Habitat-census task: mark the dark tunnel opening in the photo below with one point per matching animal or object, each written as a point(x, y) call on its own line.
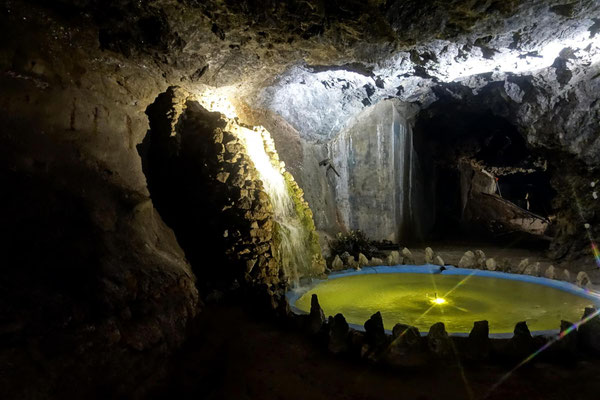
point(483, 179)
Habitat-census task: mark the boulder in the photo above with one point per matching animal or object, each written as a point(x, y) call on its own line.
point(389, 260)
point(374, 331)
point(568, 342)
point(395, 258)
point(338, 334)
point(316, 318)
point(352, 263)
point(283, 310)
point(405, 350)
point(478, 343)
point(521, 344)
point(532, 269)
point(480, 257)
point(337, 264)
point(438, 341)
point(565, 275)
point(345, 256)
point(583, 280)
point(362, 260)
point(491, 265)
point(408, 257)
point(407, 334)
point(375, 262)
point(506, 265)
point(356, 340)
point(429, 255)
point(589, 331)
point(438, 261)
point(522, 266)
point(550, 272)
point(468, 260)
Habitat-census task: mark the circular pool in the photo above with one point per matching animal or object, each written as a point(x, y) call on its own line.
point(421, 296)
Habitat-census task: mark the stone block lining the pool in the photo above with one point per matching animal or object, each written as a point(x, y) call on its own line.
point(421, 296)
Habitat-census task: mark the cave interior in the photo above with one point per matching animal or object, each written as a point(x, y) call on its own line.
point(172, 168)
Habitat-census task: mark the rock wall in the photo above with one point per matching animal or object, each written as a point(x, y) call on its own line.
point(302, 157)
point(96, 292)
point(205, 183)
point(379, 187)
point(94, 284)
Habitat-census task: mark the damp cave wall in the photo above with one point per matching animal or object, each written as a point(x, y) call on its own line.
point(380, 188)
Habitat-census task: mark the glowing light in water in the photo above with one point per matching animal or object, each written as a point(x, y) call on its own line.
point(438, 301)
point(596, 253)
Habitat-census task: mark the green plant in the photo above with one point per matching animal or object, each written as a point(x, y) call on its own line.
point(353, 242)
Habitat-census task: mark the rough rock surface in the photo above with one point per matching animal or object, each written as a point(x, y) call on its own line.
point(478, 343)
point(337, 263)
point(338, 334)
point(375, 333)
point(407, 256)
point(439, 261)
point(468, 260)
point(583, 280)
point(362, 260)
point(438, 341)
point(550, 272)
point(589, 333)
point(405, 350)
point(532, 269)
point(394, 258)
point(521, 344)
point(429, 255)
point(480, 256)
point(491, 264)
point(523, 265)
point(375, 262)
point(316, 317)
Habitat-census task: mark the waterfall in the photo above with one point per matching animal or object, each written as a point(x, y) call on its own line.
point(378, 189)
point(404, 175)
point(293, 248)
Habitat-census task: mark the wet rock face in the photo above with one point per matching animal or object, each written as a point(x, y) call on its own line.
point(204, 183)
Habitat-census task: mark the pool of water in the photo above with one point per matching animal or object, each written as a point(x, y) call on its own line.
point(422, 299)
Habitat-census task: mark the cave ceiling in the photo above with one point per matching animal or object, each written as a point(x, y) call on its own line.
point(319, 63)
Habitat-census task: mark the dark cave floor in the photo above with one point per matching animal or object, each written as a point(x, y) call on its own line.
point(232, 355)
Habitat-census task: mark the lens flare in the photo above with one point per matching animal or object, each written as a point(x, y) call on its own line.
point(561, 336)
point(596, 253)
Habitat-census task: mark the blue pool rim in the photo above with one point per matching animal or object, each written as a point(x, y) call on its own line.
point(293, 295)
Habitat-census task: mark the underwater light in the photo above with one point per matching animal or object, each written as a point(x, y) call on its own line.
point(438, 300)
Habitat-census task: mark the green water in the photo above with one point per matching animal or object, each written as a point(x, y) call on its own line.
point(408, 298)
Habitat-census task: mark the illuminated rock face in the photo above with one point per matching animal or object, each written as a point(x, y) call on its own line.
point(236, 212)
point(378, 186)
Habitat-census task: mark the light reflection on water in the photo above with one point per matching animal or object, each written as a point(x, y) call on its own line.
point(407, 298)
